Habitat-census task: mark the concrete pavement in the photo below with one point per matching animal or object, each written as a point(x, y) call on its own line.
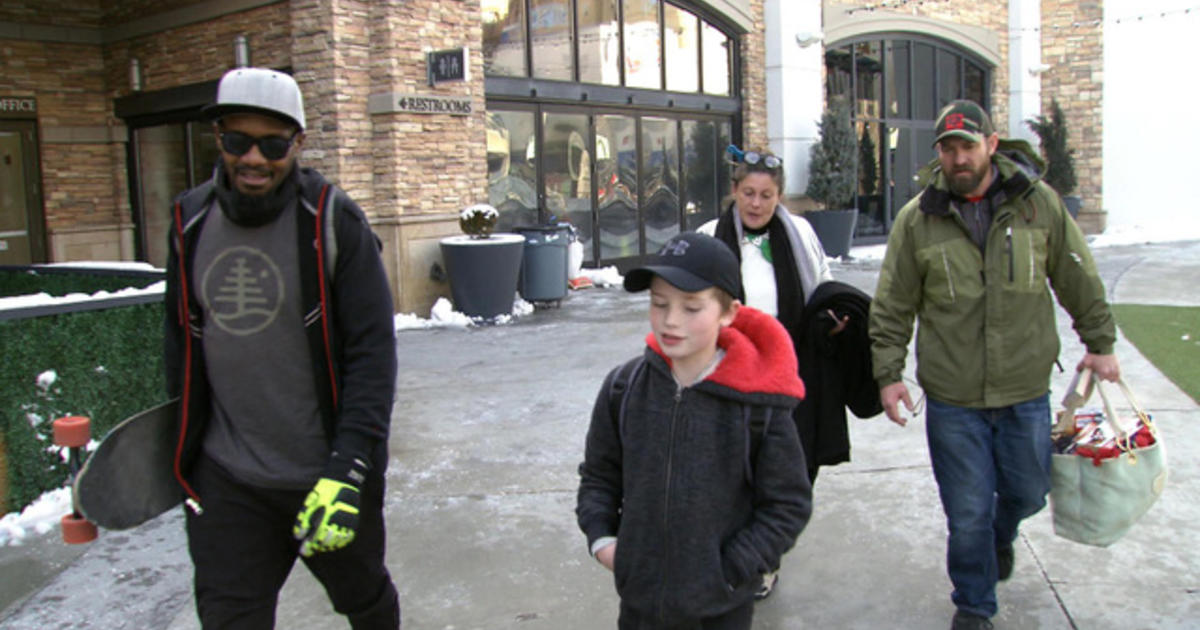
point(488, 430)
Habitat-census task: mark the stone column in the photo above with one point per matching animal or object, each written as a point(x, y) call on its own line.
point(795, 92)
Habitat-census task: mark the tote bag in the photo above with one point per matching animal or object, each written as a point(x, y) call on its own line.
point(1096, 499)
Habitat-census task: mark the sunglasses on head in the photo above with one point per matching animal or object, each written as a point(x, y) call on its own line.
point(271, 147)
point(771, 162)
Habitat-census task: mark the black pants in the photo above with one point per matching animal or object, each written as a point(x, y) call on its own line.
point(737, 619)
point(243, 550)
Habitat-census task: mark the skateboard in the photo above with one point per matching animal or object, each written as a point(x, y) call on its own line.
point(130, 478)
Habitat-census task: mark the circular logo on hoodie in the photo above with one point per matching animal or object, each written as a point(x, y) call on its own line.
point(243, 290)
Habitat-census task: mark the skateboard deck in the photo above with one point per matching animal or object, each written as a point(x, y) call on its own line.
point(130, 478)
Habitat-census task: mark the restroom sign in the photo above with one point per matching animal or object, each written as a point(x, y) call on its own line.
point(18, 107)
point(448, 65)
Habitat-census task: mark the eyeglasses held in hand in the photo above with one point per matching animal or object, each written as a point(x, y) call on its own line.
point(271, 147)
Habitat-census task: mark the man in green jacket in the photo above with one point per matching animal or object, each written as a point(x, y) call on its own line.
point(972, 258)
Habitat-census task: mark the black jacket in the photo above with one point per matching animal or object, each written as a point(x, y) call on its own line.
point(696, 521)
point(348, 308)
point(836, 370)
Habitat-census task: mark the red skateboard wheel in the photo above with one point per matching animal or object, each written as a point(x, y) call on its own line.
point(77, 530)
point(72, 431)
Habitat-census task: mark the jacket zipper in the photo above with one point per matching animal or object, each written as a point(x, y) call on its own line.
point(949, 278)
point(1008, 248)
point(662, 593)
point(193, 500)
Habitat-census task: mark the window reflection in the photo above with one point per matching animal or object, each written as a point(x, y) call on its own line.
point(701, 172)
point(550, 34)
point(643, 63)
point(868, 79)
point(949, 83)
point(717, 61)
point(974, 82)
point(162, 174)
point(871, 210)
point(504, 37)
point(599, 42)
point(660, 181)
point(897, 80)
point(512, 177)
point(681, 32)
point(567, 166)
point(617, 186)
point(837, 72)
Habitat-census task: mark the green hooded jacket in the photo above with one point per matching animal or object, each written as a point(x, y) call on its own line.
point(987, 335)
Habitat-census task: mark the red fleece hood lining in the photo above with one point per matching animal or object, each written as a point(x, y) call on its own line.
point(759, 357)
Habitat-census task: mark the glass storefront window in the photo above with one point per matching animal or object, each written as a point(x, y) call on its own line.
point(204, 151)
point(617, 186)
point(162, 175)
point(567, 167)
point(681, 32)
point(504, 37)
point(701, 170)
point(868, 90)
point(837, 72)
point(643, 59)
point(871, 207)
point(923, 86)
point(599, 42)
point(550, 34)
point(512, 172)
point(948, 79)
point(898, 77)
point(660, 181)
point(717, 61)
point(974, 82)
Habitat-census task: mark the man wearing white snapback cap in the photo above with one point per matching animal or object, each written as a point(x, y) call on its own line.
point(279, 342)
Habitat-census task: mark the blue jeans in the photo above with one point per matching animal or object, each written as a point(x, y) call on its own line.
point(993, 469)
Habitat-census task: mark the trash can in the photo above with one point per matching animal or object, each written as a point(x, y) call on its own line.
point(544, 265)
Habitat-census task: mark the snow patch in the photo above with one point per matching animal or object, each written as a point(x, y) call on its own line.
point(40, 517)
point(604, 277)
point(443, 315)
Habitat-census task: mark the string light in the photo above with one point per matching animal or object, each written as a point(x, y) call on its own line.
point(1078, 25)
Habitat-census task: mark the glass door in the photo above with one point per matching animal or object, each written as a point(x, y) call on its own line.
point(22, 233)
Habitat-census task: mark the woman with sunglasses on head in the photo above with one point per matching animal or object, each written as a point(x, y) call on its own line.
point(782, 260)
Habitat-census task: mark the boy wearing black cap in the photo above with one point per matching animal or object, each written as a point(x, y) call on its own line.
point(693, 482)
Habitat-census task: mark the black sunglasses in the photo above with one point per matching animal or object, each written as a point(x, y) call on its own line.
point(271, 147)
point(771, 162)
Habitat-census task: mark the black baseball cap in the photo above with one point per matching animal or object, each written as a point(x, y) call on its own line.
point(965, 119)
point(690, 262)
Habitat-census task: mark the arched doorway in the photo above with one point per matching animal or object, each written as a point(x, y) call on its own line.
point(896, 84)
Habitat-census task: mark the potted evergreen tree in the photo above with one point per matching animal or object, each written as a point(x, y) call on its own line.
point(1060, 169)
point(483, 267)
point(832, 180)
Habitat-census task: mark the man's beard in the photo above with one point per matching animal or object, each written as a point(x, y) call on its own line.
point(965, 182)
point(254, 210)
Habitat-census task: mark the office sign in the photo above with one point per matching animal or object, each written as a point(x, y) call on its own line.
point(18, 107)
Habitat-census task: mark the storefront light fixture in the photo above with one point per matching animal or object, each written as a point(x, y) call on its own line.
point(241, 51)
point(807, 38)
point(135, 74)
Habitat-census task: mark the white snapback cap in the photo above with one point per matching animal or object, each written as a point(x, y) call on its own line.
point(260, 91)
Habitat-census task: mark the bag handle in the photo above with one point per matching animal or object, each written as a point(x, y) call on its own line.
point(1077, 396)
point(1125, 439)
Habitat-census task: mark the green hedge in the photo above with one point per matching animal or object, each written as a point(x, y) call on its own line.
point(108, 365)
point(20, 281)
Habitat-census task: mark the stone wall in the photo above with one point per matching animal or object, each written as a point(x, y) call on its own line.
point(1073, 47)
point(754, 80)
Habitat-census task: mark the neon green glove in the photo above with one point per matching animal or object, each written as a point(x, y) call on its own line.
point(329, 518)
